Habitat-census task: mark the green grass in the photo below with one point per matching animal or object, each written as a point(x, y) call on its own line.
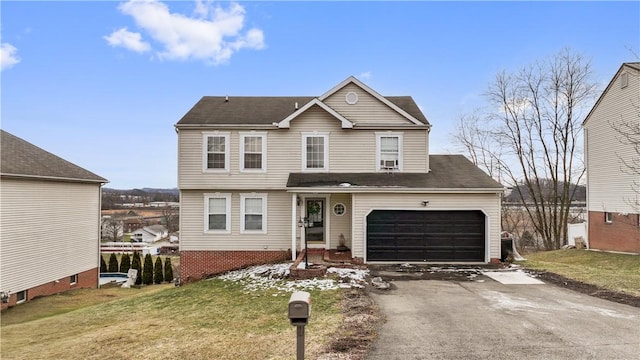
point(209, 319)
point(617, 272)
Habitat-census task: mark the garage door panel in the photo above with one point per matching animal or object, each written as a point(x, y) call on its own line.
point(409, 235)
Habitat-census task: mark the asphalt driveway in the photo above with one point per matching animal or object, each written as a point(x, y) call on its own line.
point(484, 319)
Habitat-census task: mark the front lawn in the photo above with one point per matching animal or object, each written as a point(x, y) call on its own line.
point(210, 319)
point(617, 272)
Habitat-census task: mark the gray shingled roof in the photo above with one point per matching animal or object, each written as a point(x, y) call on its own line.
point(447, 172)
point(264, 110)
point(23, 159)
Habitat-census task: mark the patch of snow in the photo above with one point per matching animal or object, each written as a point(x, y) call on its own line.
point(274, 277)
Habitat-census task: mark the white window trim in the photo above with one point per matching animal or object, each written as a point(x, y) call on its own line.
point(334, 209)
point(227, 146)
point(608, 217)
point(71, 282)
point(243, 197)
point(400, 137)
point(262, 135)
point(226, 196)
point(303, 154)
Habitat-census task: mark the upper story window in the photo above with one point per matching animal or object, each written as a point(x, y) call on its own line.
point(217, 213)
point(389, 151)
point(253, 213)
point(216, 151)
point(253, 151)
point(315, 152)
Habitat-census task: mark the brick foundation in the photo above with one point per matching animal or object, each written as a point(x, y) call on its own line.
point(196, 265)
point(86, 279)
point(622, 234)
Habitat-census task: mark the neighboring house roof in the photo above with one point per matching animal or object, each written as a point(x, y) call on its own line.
point(267, 110)
point(20, 158)
point(447, 172)
point(632, 65)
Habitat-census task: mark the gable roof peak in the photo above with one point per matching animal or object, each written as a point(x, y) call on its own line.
point(353, 80)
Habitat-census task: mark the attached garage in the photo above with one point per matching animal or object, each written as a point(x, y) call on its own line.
point(433, 236)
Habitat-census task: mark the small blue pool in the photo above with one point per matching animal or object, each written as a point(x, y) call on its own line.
point(117, 278)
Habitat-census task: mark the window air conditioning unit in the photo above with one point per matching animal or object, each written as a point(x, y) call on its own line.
point(389, 164)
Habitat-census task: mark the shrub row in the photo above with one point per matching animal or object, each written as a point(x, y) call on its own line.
point(148, 274)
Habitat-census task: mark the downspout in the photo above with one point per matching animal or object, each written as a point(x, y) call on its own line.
point(99, 230)
point(293, 226)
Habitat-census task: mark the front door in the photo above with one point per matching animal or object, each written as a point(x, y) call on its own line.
point(315, 214)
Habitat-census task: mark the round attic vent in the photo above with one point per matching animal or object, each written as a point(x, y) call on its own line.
point(351, 98)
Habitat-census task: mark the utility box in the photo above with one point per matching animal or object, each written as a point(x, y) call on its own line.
point(299, 308)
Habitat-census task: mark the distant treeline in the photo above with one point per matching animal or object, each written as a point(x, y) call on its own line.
point(114, 198)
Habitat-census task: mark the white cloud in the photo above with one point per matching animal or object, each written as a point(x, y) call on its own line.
point(365, 75)
point(8, 56)
point(212, 34)
point(129, 40)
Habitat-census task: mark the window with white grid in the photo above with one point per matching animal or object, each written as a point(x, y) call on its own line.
point(216, 152)
point(253, 152)
point(315, 152)
point(389, 151)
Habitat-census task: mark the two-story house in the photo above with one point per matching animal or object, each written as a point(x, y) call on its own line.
point(49, 223)
point(260, 178)
point(613, 164)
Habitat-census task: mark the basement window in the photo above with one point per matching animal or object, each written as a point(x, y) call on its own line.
point(608, 217)
point(21, 296)
point(73, 279)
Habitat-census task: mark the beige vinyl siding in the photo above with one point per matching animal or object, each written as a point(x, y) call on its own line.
point(192, 223)
point(609, 187)
point(364, 203)
point(367, 111)
point(350, 150)
point(49, 231)
point(340, 224)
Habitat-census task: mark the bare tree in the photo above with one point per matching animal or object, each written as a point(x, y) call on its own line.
point(171, 217)
point(112, 227)
point(532, 137)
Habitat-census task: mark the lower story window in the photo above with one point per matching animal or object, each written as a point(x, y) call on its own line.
point(217, 211)
point(253, 213)
point(608, 217)
point(73, 279)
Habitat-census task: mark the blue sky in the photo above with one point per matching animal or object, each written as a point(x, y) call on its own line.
point(101, 84)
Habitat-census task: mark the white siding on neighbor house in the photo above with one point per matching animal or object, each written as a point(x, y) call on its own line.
point(364, 203)
point(361, 112)
point(609, 187)
point(49, 231)
point(350, 150)
point(192, 223)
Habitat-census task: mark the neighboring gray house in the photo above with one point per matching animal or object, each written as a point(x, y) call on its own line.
point(350, 163)
point(49, 222)
point(613, 190)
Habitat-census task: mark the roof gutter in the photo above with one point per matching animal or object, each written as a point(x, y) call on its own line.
point(224, 126)
point(392, 189)
point(65, 179)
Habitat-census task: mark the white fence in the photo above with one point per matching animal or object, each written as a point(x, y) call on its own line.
point(129, 248)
